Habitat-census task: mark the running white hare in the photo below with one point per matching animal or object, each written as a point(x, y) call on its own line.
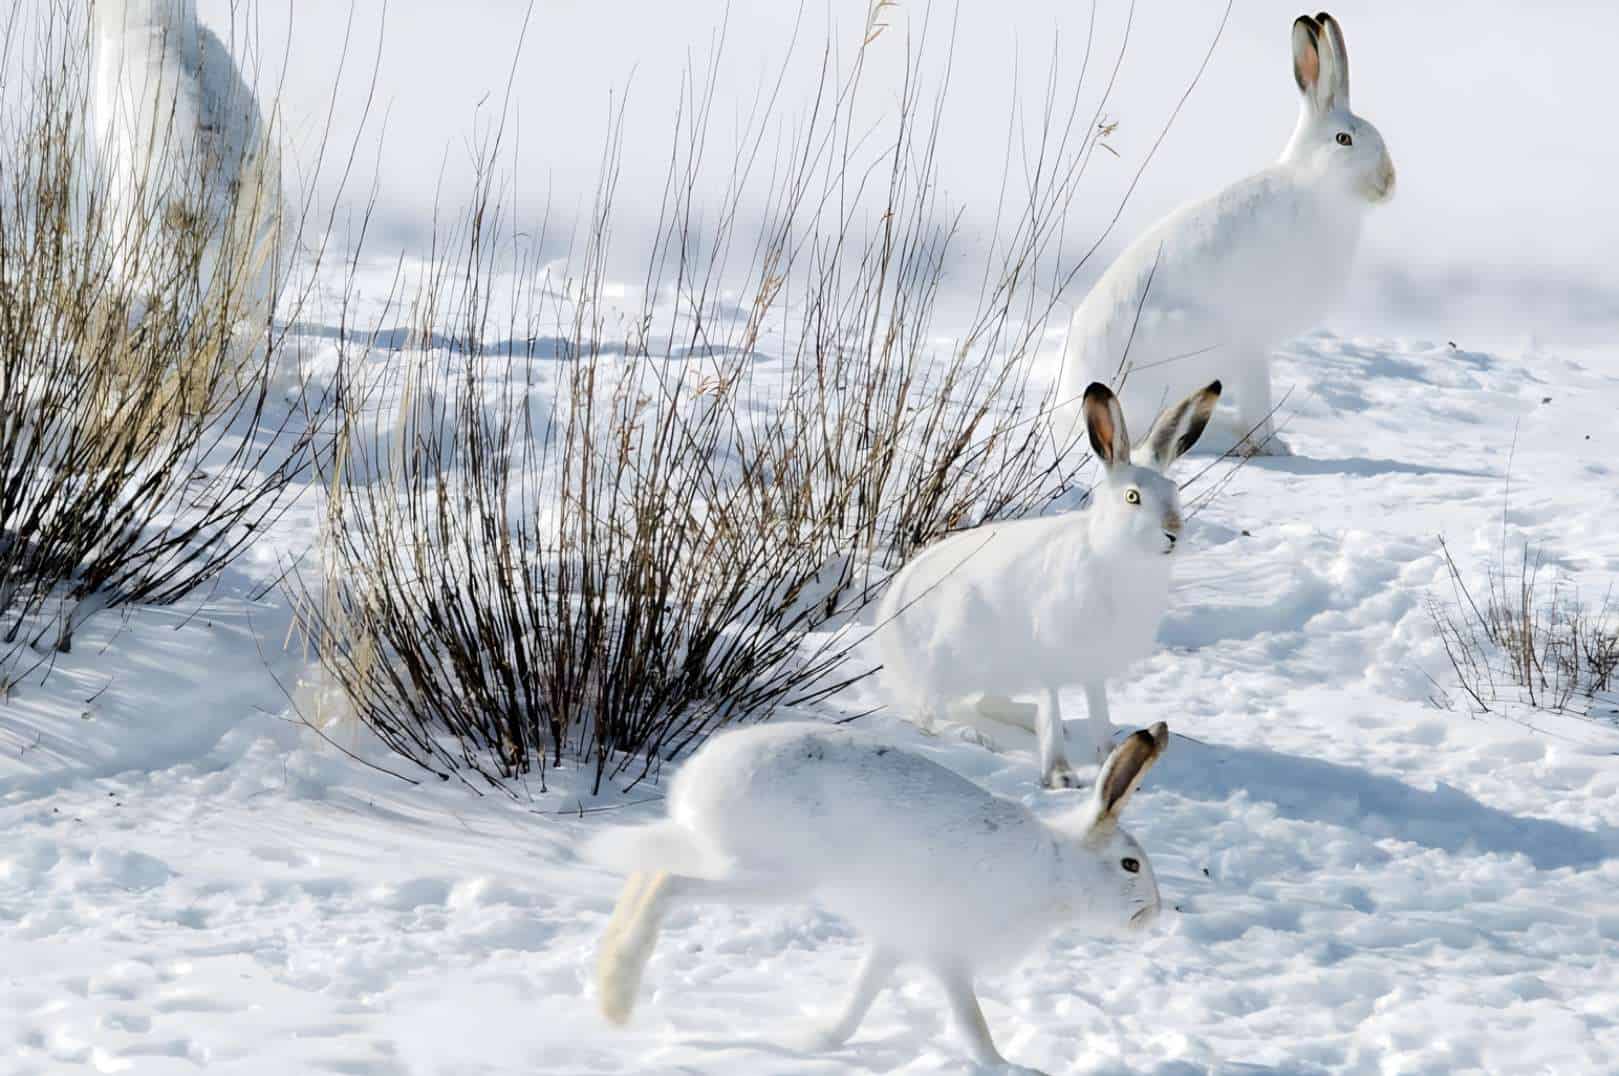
point(1034, 605)
point(186, 161)
point(1212, 288)
point(929, 866)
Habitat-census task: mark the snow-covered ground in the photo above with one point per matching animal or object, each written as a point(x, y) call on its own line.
point(1361, 880)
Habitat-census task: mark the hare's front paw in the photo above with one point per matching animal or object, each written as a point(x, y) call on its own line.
point(818, 1040)
point(1010, 1068)
point(973, 736)
point(1061, 775)
point(1263, 445)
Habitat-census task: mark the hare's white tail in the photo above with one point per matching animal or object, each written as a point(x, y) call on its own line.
point(658, 846)
point(631, 935)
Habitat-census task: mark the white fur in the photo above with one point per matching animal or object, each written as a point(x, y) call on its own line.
point(932, 868)
point(1032, 606)
point(179, 136)
point(1237, 273)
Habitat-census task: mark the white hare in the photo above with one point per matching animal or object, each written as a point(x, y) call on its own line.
point(1035, 605)
point(1209, 290)
point(929, 866)
point(187, 164)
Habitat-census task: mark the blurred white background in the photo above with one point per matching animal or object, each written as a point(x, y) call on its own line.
point(1498, 114)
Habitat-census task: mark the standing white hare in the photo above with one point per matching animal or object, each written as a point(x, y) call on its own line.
point(1209, 290)
point(929, 866)
point(1034, 605)
point(187, 163)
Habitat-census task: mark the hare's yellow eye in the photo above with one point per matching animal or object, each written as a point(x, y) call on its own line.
point(1344, 139)
point(1132, 496)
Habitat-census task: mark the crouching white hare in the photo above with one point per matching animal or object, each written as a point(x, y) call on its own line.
point(1212, 288)
point(186, 162)
point(932, 868)
point(1034, 605)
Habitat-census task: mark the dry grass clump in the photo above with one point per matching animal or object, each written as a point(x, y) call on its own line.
point(150, 431)
point(1528, 638)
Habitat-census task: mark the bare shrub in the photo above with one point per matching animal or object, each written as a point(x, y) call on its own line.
point(562, 531)
point(1527, 638)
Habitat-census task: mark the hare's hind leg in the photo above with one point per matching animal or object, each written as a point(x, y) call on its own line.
point(1098, 721)
point(1255, 417)
point(1055, 770)
point(627, 944)
point(1007, 711)
point(935, 715)
point(876, 968)
point(926, 714)
point(632, 933)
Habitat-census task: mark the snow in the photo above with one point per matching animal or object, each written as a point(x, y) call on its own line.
point(1359, 874)
point(1355, 878)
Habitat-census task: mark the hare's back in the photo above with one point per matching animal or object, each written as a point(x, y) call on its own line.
point(958, 619)
point(991, 563)
point(1211, 287)
point(821, 803)
point(1237, 260)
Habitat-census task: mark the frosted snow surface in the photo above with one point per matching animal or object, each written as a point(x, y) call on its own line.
point(1355, 879)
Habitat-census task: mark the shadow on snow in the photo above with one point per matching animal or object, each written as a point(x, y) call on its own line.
point(1444, 818)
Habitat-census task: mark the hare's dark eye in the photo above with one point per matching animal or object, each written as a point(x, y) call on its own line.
point(1131, 864)
point(1344, 139)
point(1132, 496)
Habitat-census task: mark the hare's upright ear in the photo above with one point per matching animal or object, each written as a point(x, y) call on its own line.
point(1320, 68)
point(1125, 768)
point(1104, 420)
point(1178, 429)
point(1338, 55)
point(1307, 62)
point(1306, 54)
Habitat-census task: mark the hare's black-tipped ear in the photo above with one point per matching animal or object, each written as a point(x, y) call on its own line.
point(1338, 53)
point(1322, 73)
point(1178, 429)
point(1126, 766)
point(1104, 421)
point(1306, 54)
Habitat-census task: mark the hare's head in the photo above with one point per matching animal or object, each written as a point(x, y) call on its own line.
point(1331, 144)
point(1122, 886)
point(1135, 509)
